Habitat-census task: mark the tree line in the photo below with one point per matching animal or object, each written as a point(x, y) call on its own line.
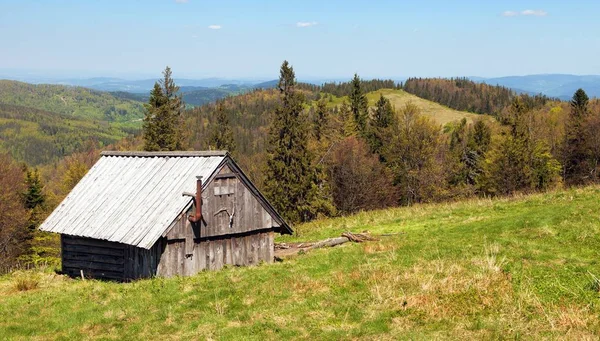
point(466, 95)
point(317, 160)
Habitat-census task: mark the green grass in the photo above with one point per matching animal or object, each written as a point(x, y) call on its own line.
point(524, 267)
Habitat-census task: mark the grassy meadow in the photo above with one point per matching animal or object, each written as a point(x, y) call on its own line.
point(439, 113)
point(399, 98)
point(525, 267)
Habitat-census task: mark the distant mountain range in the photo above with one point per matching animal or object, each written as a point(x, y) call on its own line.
point(553, 85)
point(201, 91)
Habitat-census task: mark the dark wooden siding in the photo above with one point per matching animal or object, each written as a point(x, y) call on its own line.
point(214, 253)
point(108, 260)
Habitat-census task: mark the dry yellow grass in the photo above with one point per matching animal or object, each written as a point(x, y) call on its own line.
point(439, 113)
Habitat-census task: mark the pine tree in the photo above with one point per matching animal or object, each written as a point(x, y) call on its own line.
point(291, 182)
point(34, 198)
point(359, 105)
point(380, 125)
point(34, 195)
point(162, 129)
point(576, 152)
point(222, 136)
point(320, 119)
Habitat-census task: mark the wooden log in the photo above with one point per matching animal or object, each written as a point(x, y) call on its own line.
point(330, 242)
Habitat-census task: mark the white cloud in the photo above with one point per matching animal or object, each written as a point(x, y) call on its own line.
point(537, 13)
point(214, 27)
point(306, 23)
point(530, 12)
point(182, 1)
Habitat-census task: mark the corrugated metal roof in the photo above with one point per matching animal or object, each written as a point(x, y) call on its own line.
point(132, 198)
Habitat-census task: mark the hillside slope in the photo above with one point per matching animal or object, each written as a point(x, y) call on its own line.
point(40, 137)
point(437, 112)
point(484, 269)
point(72, 101)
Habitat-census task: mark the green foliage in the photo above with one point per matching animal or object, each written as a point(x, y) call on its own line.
point(320, 119)
point(416, 159)
point(467, 149)
point(291, 181)
point(71, 101)
point(222, 136)
point(34, 198)
point(577, 154)
point(34, 195)
point(464, 94)
point(519, 161)
point(39, 137)
point(345, 88)
point(379, 128)
point(162, 129)
point(359, 105)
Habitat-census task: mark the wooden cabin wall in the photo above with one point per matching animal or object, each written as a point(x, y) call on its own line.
point(224, 196)
point(215, 253)
point(108, 260)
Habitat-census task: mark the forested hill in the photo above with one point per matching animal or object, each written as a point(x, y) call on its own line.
point(39, 137)
point(73, 101)
point(40, 124)
point(464, 94)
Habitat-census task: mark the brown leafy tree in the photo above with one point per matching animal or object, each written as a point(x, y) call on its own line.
point(14, 232)
point(359, 181)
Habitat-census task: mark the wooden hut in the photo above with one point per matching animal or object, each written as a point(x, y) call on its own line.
point(135, 215)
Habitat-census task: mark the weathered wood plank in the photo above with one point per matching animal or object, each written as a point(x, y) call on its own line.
point(92, 265)
point(92, 242)
point(93, 250)
point(218, 254)
point(87, 257)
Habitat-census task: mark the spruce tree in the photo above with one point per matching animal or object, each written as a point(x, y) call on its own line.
point(162, 123)
point(291, 180)
point(222, 135)
point(380, 125)
point(576, 151)
point(34, 198)
point(320, 119)
point(359, 105)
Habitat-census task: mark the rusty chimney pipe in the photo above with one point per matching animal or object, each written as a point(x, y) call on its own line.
point(198, 202)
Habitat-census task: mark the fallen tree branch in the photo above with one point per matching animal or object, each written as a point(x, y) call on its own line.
point(291, 249)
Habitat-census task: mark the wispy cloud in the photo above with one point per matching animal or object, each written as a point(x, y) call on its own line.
point(537, 13)
point(182, 1)
point(306, 23)
point(530, 12)
point(214, 27)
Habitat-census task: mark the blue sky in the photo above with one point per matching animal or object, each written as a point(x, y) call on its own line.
point(250, 39)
